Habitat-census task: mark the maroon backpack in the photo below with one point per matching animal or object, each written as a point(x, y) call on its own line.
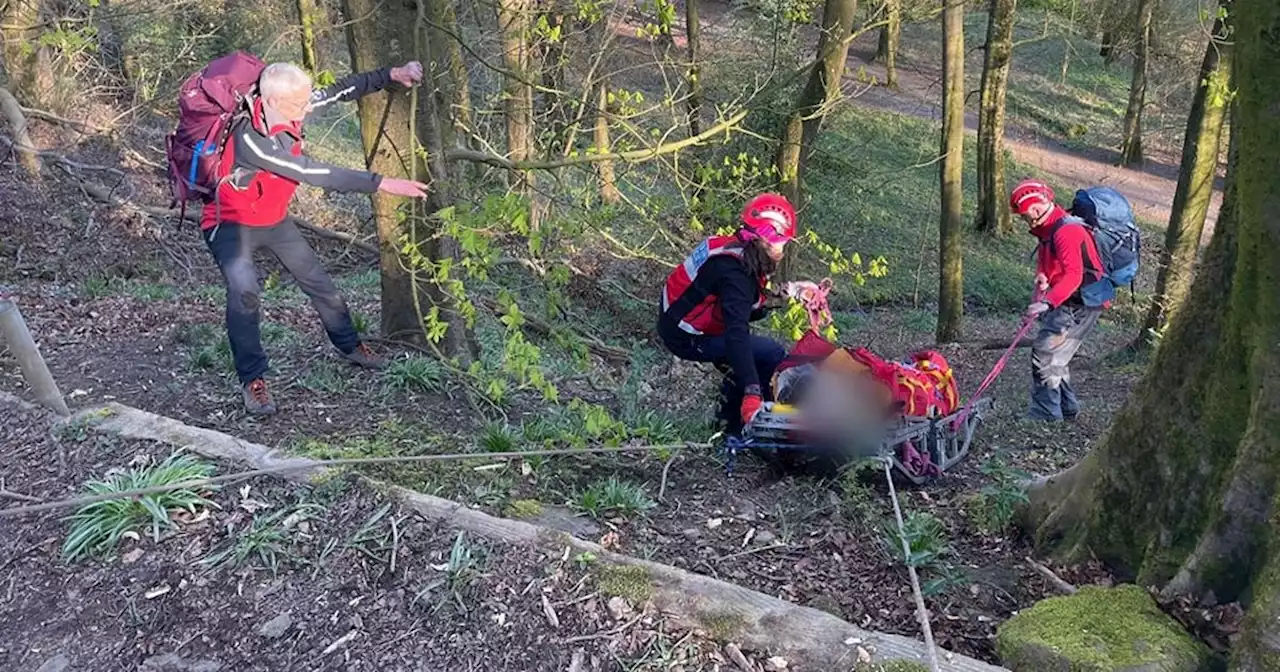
point(207, 103)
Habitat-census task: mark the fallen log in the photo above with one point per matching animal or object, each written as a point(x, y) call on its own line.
point(28, 156)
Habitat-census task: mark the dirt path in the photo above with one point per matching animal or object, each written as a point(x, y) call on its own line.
point(1149, 189)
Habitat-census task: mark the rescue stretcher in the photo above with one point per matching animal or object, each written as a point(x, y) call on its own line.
point(924, 434)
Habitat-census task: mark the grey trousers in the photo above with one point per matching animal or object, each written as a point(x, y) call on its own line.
point(1062, 331)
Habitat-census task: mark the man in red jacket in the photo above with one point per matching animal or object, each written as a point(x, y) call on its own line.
point(261, 167)
point(1066, 260)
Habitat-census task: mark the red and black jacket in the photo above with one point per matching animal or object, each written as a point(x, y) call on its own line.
point(1067, 256)
point(262, 167)
point(713, 294)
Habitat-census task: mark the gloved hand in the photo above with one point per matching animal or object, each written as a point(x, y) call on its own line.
point(751, 404)
point(800, 289)
point(1041, 282)
point(1036, 309)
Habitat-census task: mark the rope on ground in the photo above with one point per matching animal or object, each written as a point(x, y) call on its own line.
point(307, 464)
point(921, 613)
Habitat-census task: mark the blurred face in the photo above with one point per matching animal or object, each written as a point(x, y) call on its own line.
point(1036, 214)
point(293, 106)
point(774, 250)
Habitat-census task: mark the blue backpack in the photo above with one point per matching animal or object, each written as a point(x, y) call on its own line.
point(1108, 216)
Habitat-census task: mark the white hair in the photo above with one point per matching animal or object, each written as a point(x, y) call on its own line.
point(282, 79)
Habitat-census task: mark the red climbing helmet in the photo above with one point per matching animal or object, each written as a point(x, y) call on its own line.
point(771, 217)
point(1027, 193)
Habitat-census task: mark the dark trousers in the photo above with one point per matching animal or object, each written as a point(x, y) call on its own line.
point(1062, 331)
point(233, 246)
point(767, 353)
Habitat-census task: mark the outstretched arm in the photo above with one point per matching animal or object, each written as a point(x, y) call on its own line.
point(360, 84)
point(276, 155)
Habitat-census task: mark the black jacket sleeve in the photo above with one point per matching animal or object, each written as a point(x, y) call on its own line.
point(737, 293)
point(351, 87)
point(274, 155)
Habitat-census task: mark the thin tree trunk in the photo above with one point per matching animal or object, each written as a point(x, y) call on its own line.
point(693, 31)
point(514, 25)
point(608, 187)
point(454, 80)
point(1182, 493)
point(1108, 49)
point(950, 172)
point(890, 38)
point(11, 113)
point(1200, 150)
point(387, 36)
point(1131, 143)
point(821, 91)
point(993, 206)
point(308, 17)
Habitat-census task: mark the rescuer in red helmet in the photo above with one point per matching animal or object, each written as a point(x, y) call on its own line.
point(709, 300)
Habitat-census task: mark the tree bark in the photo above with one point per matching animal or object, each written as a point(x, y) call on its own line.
point(514, 25)
point(890, 38)
point(23, 147)
point(950, 172)
point(693, 31)
point(821, 91)
point(1108, 48)
point(608, 186)
point(1200, 150)
point(993, 206)
point(26, 64)
point(1131, 143)
point(1183, 491)
point(308, 16)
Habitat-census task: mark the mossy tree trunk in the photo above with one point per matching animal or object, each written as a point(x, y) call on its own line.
point(890, 37)
point(693, 32)
point(1131, 142)
point(26, 64)
point(452, 79)
point(1182, 493)
point(821, 91)
point(308, 17)
point(993, 208)
point(387, 37)
point(514, 23)
point(1200, 150)
point(950, 173)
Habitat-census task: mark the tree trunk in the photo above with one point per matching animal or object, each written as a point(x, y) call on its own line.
point(950, 172)
point(27, 66)
point(453, 83)
point(308, 17)
point(693, 30)
point(821, 91)
point(1200, 148)
point(608, 187)
point(1131, 143)
point(1183, 491)
point(514, 24)
point(1108, 49)
point(993, 204)
point(890, 37)
point(388, 36)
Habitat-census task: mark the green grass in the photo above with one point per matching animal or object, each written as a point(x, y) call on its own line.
point(98, 527)
point(327, 378)
point(266, 540)
point(613, 497)
point(414, 374)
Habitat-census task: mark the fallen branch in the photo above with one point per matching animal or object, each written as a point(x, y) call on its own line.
point(1057, 582)
point(9, 494)
point(633, 156)
point(28, 156)
point(49, 116)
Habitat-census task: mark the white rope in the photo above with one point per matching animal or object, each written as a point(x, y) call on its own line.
point(922, 614)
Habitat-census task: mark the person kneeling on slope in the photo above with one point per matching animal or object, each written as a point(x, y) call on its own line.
point(709, 300)
point(1067, 260)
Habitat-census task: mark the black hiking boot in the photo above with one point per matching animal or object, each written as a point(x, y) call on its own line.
point(257, 400)
point(362, 356)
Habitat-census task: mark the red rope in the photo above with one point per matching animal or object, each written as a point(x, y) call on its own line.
point(999, 367)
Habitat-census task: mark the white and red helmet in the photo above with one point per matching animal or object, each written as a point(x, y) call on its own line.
point(1028, 193)
point(771, 217)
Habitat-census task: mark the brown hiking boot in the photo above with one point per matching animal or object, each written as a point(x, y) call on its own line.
point(257, 400)
point(363, 356)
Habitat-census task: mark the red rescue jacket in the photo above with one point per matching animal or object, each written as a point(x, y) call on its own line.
point(259, 198)
point(1067, 256)
point(694, 306)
